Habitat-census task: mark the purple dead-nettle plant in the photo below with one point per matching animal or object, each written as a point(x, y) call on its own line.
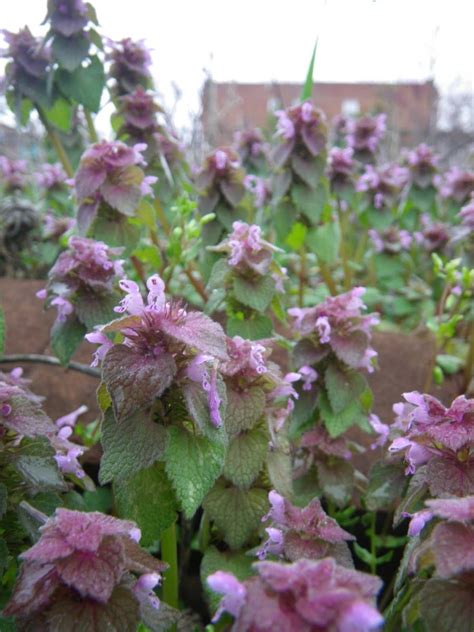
point(466, 215)
point(220, 184)
point(130, 65)
point(162, 341)
point(51, 177)
point(252, 149)
point(383, 185)
point(307, 532)
point(67, 451)
point(365, 134)
point(433, 236)
point(455, 185)
point(13, 174)
point(306, 595)
point(110, 177)
point(84, 567)
point(83, 281)
point(260, 190)
point(422, 163)
point(341, 169)
point(436, 442)
point(391, 240)
point(68, 20)
point(27, 68)
point(338, 326)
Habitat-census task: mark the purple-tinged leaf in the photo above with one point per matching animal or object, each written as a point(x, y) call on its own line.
point(135, 380)
point(448, 476)
point(232, 191)
point(282, 153)
point(314, 140)
point(453, 548)
point(448, 604)
point(350, 348)
point(199, 331)
point(336, 478)
point(307, 170)
point(27, 418)
point(280, 184)
point(33, 590)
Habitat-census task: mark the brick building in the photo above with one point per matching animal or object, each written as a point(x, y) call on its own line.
point(411, 107)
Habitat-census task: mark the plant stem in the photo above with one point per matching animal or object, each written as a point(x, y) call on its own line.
point(37, 358)
point(161, 216)
point(327, 278)
point(196, 283)
point(302, 277)
point(90, 126)
point(204, 532)
point(56, 143)
point(343, 249)
point(169, 554)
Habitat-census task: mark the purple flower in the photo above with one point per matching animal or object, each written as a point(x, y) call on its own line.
point(139, 110)
point(319, 441)
point(303, 132)
point(80, 556)
point(245, 358)
point(13, 173)
point(341, 167)
point(220, 180)
point(467, 214)
point(383, 185)
point(434, 236)
point(364, 134)
point(440, 438)
point(301, 532)
point(305, 595)
point(131, 61)
point(203, 369)
point(29, 62)
point(67, 17)
point(418, 521)
point(259, 188)
point(456, 185)
point(338, 323)
point(51, 177)
point(109, 173)
point(383, 430)
point(423, 165)
point(308, 375)
point(252, 149)
point(248, 251)
point(391, 240)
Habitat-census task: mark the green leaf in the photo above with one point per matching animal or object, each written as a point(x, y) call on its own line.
point(297, 236)
point(238, 564)
point(449, 363)
point(129, 446)
point(245, 457)
point(337, 423)
point(218, 275)
point(309, 201)
point(147, 498)
point(98, 500)
point(386, 484)
point(36, 465)
point(2, 331)
point(256, 294)
point(193, 464)
point(3, 562)
point(66, 337)
point(70, 51)
point(343, 387)
point(363, 554)
point(94, 309)
point(236, 513)
point(60, 114)
point(307, 90)
point(336, 478)
point(3, 500)
point(244, 408)
point(84, 85)
point(115, 229)
point(253, 328)
point(280, 472)
point(324, 241)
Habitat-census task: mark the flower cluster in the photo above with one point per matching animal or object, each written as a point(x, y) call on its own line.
point(161, 341)
point(336, 325)
point(51, 177)
point(13, 174)
point(220, 180)
point(68, 19)
point(440, 439)
point(248, 251)
point(109, 173)
point(392, 240)
point(422, 163)
point(433, 236)
point(82, 275)
point(383, 185)
point(456, 185)
point(259, 188)
point(139, 110)
point(27, 70)
point(81, 567)
point(303, 532)
point(364, 134)
point(130, 67)
point(306, 595)
point(341, 166)
point(251, 147)
point(302, 130)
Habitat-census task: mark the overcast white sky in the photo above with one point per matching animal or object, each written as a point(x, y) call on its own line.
point(271, 40)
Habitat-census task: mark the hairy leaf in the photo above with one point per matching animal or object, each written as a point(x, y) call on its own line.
point(148, 499)
point(336, 478)
point(237, 513)
point(245, 457)
point(253, 328)
point(134, 380)
point(386, 484)
point(244, 408)
point(66, 337)
point(256, 294)
point(129, 446)
point(324, 241)
point(193, 464)
point(448, 605)
point(84, 85)
point(343, 387)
